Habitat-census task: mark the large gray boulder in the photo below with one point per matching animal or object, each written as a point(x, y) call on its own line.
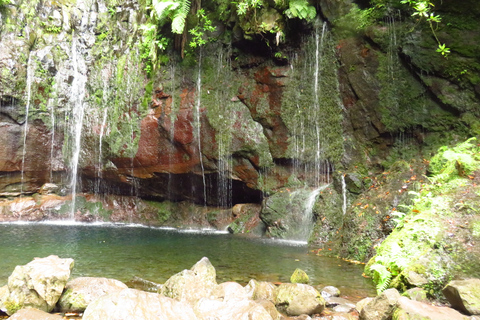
point(464, 295)
point(232, 309)
point(192, 285)
point(132, 304)
point(381, 308)
point(408, 309)
point(38, 284)
point(296, 299)
point(34, 314)
point(80, 292)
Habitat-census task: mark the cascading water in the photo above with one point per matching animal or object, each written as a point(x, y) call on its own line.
point(303, 201)
point(308, 212)
point(315, 109)
point(30, 73)
point(77, 96)
point(52, 143)
point(321, 167)
point(172, 129)
point(344, 195)
point(198, 124)
point(106, 74)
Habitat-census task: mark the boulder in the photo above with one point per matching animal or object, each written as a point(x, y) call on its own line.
point(409, 309)
point(381, 308)
point(144, 285)
point(192, 285)
point(80, 292)
point(260, 290)
point(362, 303)
point(270, 307)
point(341, 316)
point(464, 295)
point(295, 299)
point(339, 304)
point(38, 284)
point(231, 310)
point(416, 294)
point(34, 314)
point(230, 291)
point(330, 291)
point(132, 304)
point(299, 276)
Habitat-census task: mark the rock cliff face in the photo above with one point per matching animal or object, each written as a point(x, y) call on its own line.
point(339, 100)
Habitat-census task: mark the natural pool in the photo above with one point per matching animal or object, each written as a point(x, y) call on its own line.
point(123, 251)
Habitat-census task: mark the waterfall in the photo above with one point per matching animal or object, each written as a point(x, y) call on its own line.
point(30, 73)
point(319, 40)
point(172, 129)
point(198, 124)
point(52, 144)
point(344, 195)
point(76, 122)
point(306, 221)
point(106, 74)
point(315, 120)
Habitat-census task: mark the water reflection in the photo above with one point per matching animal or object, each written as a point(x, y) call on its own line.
point(122, 252)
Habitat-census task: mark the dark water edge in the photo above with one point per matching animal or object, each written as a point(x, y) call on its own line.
point(125, 251)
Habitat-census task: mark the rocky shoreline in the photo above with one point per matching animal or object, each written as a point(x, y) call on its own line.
point(43, 290)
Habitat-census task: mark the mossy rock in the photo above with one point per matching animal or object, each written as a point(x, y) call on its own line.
point(299, 276)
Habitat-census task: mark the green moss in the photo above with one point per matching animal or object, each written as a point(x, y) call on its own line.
point(95, 209)
point(299, 276)
point(11, 306)
point(460, 160)
point(163, 209)
point(313, 114)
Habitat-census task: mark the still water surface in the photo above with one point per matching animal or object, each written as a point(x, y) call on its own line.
point(122, 252)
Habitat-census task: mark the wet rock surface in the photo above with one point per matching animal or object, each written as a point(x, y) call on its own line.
point(38, 284)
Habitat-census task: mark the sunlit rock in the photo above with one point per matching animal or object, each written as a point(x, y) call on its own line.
point(409, 309)
point(464, 295)
point(230, 310)
point(192, 285)
point(381, 308)
point(80, 292)
point(34, 314)
point(295, 299)
point(37, 284)
point(131, 304)
point(230, 291)
point(260, 290)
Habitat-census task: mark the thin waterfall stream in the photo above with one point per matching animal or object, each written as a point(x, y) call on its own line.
point(78, 91)
point(198, 124)
point(30, 74)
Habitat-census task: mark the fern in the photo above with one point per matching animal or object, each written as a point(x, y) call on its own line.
point(300, 9)
point(163, 8)
point(381, 276)
point(179, 17)
point(176, 9)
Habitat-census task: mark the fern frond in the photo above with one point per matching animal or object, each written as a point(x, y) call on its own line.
point(179, 17)
point(381, 276)
point(163, 8)
point(300, 9)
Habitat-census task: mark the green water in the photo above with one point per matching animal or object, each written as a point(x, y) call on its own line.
point(122, 252)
